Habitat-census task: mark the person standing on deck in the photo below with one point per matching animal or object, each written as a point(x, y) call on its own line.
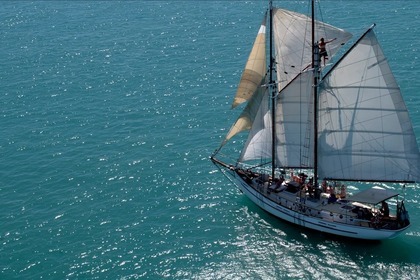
point(384, 209)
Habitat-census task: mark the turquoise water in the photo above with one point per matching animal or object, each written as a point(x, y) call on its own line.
point(109, 112)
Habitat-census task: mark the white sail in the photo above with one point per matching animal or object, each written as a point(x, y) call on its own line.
point(294, 123)
point(292, 38)
point(258, 145)
point(255, 69)
point(248, 116)
point(365, 132)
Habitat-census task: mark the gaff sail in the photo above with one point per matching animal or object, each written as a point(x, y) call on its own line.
point(292, 39)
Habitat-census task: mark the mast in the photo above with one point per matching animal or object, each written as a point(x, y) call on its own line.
point(315, 67)
point(273, 95)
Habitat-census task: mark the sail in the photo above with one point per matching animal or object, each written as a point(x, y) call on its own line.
point(294, 123)
point(258, 144)
point(292, 38)
point(248, 115)
point(365, 132)
point(255, 69)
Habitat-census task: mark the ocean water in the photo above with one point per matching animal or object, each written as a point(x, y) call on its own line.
point(109, 111)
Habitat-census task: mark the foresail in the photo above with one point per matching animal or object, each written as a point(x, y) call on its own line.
point(292, 38)
point(255, 69)
point(258, 144)
point(294, 123)
point(250, 113)
point(365, 132)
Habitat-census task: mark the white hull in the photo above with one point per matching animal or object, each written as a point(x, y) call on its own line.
point(319, 224)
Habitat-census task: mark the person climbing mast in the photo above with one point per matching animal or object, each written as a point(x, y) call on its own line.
point(323, 50)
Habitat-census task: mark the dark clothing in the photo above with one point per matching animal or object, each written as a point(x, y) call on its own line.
point(323, 48)
point(384, 209)
point(332, 198)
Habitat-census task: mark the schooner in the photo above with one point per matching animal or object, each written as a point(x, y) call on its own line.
point(313, 129)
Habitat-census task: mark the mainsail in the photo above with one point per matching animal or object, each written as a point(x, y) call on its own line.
point(365, 132)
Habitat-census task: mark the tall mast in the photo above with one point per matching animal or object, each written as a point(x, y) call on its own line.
point(315, 67)
point(272, 86)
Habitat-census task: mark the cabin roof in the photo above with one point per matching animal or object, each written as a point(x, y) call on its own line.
point(373, 195)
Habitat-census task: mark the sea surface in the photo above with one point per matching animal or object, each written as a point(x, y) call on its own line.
point(109, 111)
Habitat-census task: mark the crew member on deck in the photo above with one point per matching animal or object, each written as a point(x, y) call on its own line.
point(384, 209)
point(343, 192)
point(324, 186)
point(332, 198)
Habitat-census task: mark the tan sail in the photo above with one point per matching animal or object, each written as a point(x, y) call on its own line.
point(246, 119)
point(255, 69)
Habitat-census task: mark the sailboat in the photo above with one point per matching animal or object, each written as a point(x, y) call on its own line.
point(329, 147)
